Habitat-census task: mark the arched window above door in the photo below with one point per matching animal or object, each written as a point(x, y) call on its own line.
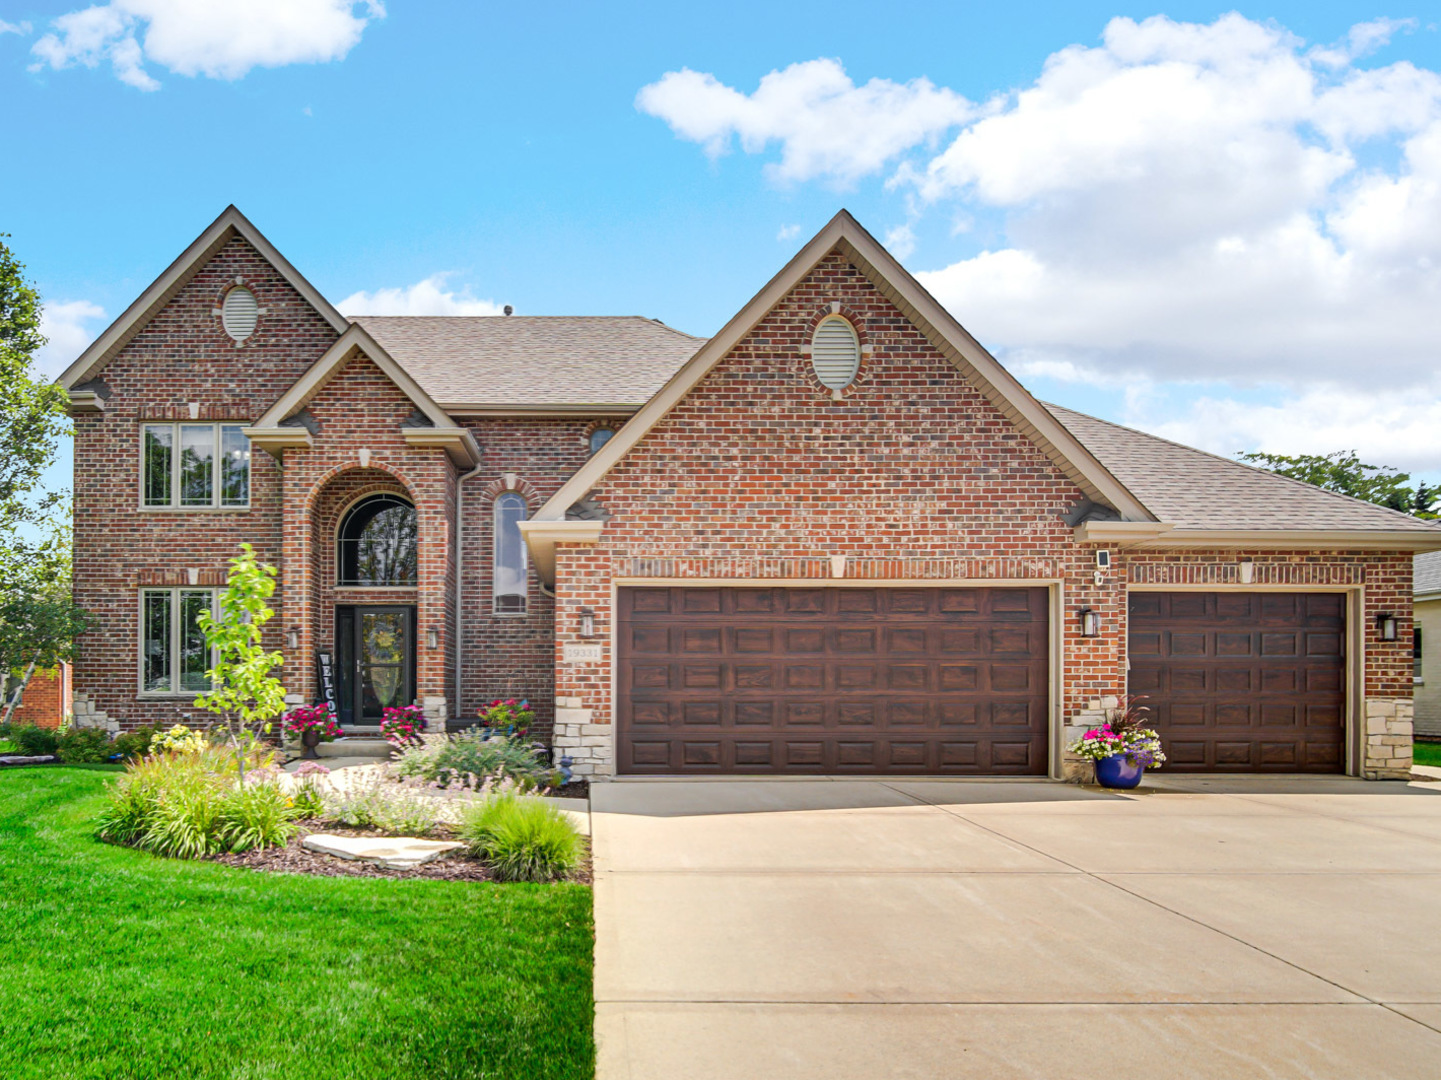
point(377, 542)
point(510, 574)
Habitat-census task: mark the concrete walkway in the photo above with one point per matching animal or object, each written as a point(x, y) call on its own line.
point(853, 930)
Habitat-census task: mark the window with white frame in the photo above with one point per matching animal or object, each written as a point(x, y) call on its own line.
point(174, 656)
point(511, 570)
point(194, 466)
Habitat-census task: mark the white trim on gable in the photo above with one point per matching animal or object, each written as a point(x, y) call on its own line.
point(162, 290)
point(270, 431)
point(844, 234)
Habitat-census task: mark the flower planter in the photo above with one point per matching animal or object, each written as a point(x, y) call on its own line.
point(310, 740)
point(1116, 772)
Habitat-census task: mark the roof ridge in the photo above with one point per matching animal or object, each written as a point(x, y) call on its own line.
point(1237, 464)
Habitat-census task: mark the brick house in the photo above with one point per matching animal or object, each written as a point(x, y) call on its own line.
point(838, 537)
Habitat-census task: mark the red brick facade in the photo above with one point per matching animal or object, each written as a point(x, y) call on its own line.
point(760, 472)
point(46, 700)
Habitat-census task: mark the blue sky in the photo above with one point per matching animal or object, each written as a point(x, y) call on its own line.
point(1224, 228)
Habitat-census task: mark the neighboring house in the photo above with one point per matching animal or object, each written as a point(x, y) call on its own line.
point(1427, 636)
point(838, 537)
point(43, 700)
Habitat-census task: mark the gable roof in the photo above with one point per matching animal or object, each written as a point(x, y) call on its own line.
point(1426, 575)
point(230, 224)
point(273, 434)
point(1197, 492)
point(480, 364)
point(844, 234)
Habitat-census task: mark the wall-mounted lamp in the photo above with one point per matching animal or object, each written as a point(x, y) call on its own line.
point(1386, 625)
point(432, 638)
point(292, 638)
point(587, 622)
point(1090, 623)
point(1247, 571)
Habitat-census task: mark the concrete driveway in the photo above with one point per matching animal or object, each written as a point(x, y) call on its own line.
point(1228, 928)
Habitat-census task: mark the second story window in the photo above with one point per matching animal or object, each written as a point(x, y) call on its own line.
point(599, 437)
point(194, 466)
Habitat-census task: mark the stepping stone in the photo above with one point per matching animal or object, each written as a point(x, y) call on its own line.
point(391, 852)
point(21, 759)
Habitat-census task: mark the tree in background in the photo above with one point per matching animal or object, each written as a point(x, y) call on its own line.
point(243, 693)
point(1345, 473)
point(38, 621)
point(32, 411)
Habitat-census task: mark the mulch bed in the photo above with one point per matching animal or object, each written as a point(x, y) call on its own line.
point(576, 789)
point(294, 859)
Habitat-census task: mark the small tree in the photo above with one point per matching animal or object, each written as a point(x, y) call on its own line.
point(38, 620)
point(243, 693)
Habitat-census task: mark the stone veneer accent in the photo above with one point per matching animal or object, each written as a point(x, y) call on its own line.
point(1388, 739)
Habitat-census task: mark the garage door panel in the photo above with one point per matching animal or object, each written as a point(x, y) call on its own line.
point(1266, 690)
point(875, 680)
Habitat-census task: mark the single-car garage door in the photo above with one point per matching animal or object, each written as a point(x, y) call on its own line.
point(1243, 682)
point(831, 680)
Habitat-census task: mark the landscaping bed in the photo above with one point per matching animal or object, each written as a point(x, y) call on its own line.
point(122, 965)
point(294, 858)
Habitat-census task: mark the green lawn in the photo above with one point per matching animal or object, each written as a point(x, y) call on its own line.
point(1426, 753)
point(120, 965)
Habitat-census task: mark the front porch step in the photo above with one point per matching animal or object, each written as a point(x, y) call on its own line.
point(355, 746)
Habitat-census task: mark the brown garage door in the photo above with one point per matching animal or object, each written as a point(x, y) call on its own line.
point(1243, 682)
point(832, 680)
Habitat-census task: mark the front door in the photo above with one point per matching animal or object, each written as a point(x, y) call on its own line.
point(374, 661)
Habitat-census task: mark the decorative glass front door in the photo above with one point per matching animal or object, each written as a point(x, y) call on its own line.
point(375, 661)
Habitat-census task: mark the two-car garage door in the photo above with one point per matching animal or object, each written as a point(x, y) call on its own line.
point(828, 680)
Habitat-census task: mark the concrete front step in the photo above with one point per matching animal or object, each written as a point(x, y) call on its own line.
point(355, 746)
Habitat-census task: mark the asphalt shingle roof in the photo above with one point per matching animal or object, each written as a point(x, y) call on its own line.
point(1196, 490)
point(528, 360)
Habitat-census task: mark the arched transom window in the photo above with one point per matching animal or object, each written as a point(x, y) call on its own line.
point(511, 567)
point(377, 542)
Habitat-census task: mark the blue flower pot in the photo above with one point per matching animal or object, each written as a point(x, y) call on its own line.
point(1116, 772)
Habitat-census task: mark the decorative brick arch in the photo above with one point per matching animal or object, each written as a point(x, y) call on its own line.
point(858, 323)
point(511, 482)
point(324, 481)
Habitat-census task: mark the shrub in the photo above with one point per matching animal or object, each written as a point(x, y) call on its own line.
point(371, 801)
point(191, 804)
point(523, 839)
point(35, 741)
point(134, 744)
point(509, 714)
point(179, 739)
point(84, 746)
point(256, 814)
point(471, 753)
point(306, 792)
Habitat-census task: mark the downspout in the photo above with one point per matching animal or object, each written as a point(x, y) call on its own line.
point(460, 575)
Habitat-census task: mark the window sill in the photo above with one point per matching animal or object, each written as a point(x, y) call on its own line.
point(194, 509)
point(376, 588)
point(170, 695)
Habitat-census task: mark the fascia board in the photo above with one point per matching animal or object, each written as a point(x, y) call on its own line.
point(274, 440)
point(541, 537)
point(231, 222)
point(1120, 532)
point(501, 409)
point(1414, 540)
point(456, 441)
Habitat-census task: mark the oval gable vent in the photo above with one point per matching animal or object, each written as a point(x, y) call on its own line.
point(239, 313)
point(835, 353)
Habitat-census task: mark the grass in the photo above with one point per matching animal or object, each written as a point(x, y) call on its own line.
point(1426, 753)
point(121, 965)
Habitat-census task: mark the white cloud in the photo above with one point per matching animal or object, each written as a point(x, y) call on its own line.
point(70, 327)
point(14, 28)
point(428, 297)
point(198, 37)
point(827, 125)
point(901, 241)
point(788, 232)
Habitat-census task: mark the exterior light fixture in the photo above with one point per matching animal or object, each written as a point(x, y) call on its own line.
point(1247, 571)
point(292, 638)
point(1090, 623)
point(587, 622)
point(432, 638)
point(1386, 625)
